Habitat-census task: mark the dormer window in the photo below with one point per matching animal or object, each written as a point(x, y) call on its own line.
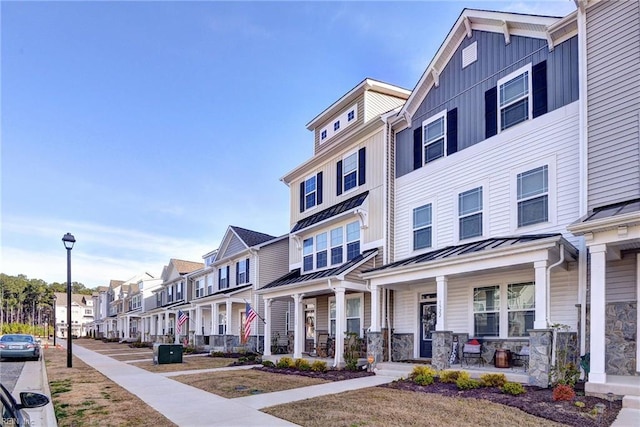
point(336, 126)
point(323, 135)
point(351, 115)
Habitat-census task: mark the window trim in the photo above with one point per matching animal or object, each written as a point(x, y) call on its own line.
point(412, 208)
point(356, 171)
point(314, 192)
point(359, 296)
point(485, 210)
point(526, 69)
point(550, 162)
point(442, 115)
point(329, 247)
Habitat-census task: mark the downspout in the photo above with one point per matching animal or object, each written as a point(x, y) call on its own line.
point(548, 302)
point(335, 354)
point(388, 296)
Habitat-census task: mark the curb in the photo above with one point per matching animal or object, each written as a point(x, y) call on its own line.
point(49, 416)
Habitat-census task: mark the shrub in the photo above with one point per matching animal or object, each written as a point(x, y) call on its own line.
point(285, 362)
point(513, 389)
point(493, 380)
point(423, 370)
point(449, 376)
point(563, 392)
point(579, 404)
point(423, 379)
point(319, 366)
point(302, 365)
point(467, 383)
point(268, 364)
point(217, 354)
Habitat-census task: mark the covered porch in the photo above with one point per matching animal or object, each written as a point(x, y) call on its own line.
point(505, 292)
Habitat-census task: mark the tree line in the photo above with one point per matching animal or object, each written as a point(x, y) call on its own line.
point(30, 301)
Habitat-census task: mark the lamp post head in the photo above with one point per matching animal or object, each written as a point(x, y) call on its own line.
point(68, 241)
point(54, 297)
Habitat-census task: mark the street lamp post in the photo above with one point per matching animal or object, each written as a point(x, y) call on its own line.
point(68, 241)
point(55, 325)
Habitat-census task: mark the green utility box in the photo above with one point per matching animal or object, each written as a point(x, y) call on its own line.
point(167, 353)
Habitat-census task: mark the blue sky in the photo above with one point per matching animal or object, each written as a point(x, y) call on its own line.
point(147, 128)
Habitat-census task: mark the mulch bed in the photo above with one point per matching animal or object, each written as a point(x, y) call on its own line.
point(536, 401)
point(329, 375)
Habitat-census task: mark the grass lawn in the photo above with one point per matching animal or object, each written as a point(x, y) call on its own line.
point(379, 406)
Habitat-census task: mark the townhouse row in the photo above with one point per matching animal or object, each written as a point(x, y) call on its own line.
point(497, 200)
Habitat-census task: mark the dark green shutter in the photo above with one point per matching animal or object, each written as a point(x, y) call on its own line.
point(491, 112)
point(539, 83)
point(452, 131)
point(362, 159)
point(417, 148)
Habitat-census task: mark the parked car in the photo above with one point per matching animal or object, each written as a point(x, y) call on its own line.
point(12, 412)
point(19, 346)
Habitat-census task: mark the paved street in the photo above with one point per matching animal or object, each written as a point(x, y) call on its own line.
point(10, 371)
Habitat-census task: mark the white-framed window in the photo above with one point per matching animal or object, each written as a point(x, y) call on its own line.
point(422, 227)
point(336, 125)
point(310, 192)
point(170, 294)
point(199, 288)
point(321, 250)
point(222, 323)
point(210, 284)
point(492, 318)
point(353, 240)
point(350, 171)
point(533, 196)
point(351, 115)
point(434, 137)
point(242, 272)
point(336, 246)
point(515, 103)
point(323, 134)
point(307, 254)
point(223, 280)
point(470, 213)
point(354, 311)
point(179, 287)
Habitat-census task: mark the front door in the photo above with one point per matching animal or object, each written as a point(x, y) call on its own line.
point(427, 325)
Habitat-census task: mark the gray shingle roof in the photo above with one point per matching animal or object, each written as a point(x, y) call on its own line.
point(250, 237)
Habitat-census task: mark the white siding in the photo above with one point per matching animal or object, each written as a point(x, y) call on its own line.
point(405, 313)
point(378, 103)
point(550, 139)
point(621, 279)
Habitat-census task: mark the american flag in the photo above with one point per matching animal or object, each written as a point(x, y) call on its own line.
point(251, 315)
point(182, 318)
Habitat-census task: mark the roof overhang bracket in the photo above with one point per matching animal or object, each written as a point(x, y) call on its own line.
point(505, 30)
point(467, 25)
point(436, 77)
point(549, 41)
point(363, 216)
point(297, 240)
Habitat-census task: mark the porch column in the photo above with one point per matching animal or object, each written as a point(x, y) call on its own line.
point(341, 317)
point(267, 327)
point(176, 336)
point(127, 326)
point(597, 368)
point(540, 321)
point(199, 324)
point(441, 293)
point(214, 319)
point(375, 308)
point(298, 332)
point(229, 307)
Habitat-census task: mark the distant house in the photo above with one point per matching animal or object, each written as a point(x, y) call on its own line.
point(81, 314)
point(338, 223)
point(245, 261)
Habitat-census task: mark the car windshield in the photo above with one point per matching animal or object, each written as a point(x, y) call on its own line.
point(17, 338)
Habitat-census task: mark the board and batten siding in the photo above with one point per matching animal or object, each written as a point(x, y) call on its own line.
point(613, 90)
point(493, 164)
point(464, 88)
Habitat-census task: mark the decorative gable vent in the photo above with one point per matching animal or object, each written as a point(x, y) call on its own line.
point(470, 54)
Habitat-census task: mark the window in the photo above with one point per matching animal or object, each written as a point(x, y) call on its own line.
point(241, 271)
point(354, 316)
point(351, 115)
point(486, 311)
point(222, 323)
point(223, 280)
point(470, 213)
point(353, 240)
point(307, 254)
point(521, 308)
point(336, 126)
point(199, 288)
point(434, 137)
point(533, 196)
point(210, 284)
point(310, 192)
point(514, 98)
point(350, 171)
point(336, 246)
point(321, 250)
point(179, 291)
point(422, 227)
point(323, 134)
point(170, 294)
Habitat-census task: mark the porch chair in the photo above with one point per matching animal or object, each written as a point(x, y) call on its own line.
point(322, 344)
point(521, 357)
point(472, 350)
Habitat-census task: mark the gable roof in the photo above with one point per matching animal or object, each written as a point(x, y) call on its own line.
point(509, 24)
point(184, 267)
point(250, 237)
